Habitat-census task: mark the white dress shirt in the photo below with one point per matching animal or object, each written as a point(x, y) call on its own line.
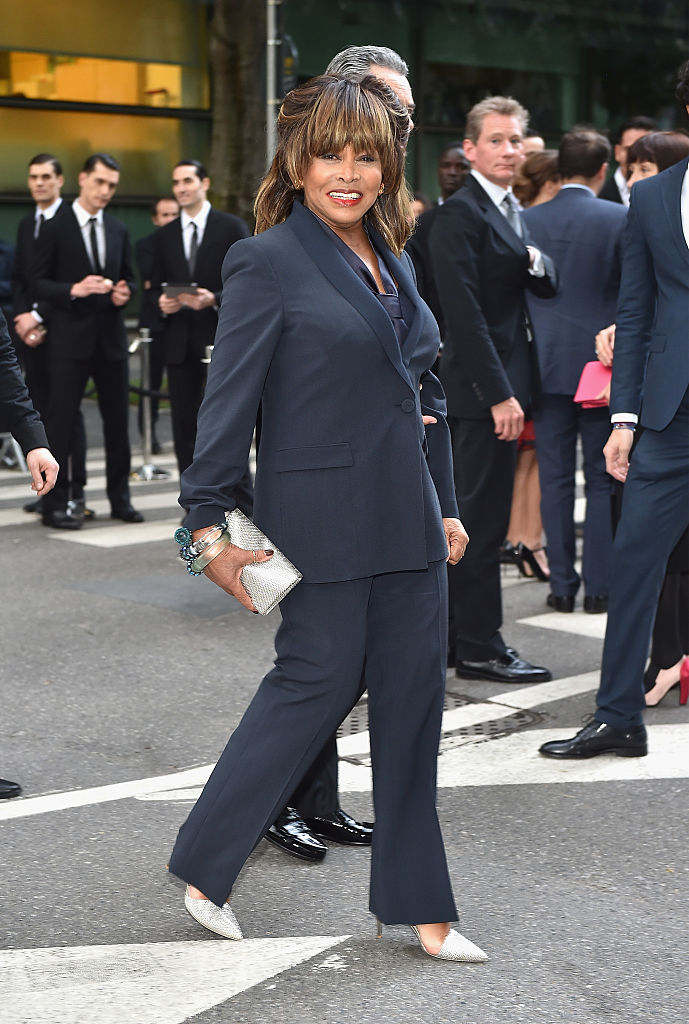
point(186, 223)
point(84, 219)
point(497, 194)
point(622, 186)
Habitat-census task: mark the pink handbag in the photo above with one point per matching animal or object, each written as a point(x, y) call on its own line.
point(594, 378)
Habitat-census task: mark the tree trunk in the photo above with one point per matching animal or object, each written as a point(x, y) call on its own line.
point(237, 40)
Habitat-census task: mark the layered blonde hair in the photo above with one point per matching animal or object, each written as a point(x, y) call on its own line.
point(324, 116)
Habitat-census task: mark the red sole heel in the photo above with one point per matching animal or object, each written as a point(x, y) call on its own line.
point(684, 682)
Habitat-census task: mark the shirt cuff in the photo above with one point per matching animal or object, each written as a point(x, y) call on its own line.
point(624, 417)
point(538, 267)
point(36, 315)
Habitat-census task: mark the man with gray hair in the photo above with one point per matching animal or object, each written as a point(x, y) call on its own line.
point(356, 62)
point(483, 265)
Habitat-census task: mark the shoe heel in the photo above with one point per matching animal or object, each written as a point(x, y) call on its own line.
point(684, 682)
point(379, 928)
point(632, 752)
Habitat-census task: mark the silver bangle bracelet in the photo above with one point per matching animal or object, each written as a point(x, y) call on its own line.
point(209, 552)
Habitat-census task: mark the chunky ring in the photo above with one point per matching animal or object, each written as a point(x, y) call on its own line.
point(254, 554)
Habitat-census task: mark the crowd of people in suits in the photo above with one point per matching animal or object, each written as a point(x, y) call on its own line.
point(533, 267)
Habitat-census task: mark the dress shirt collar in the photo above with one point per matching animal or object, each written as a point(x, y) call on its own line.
point(49, 211)
point(622, 186)
point(200, 218)
point(496, 192)
point(576, 184)
point(84, 217)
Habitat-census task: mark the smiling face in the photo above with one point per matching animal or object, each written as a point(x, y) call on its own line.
point(340, 188)
point(44, 184)
point(189, 190)
point(499, 149)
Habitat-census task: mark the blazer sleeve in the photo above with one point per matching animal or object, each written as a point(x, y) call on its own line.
point(16, 410)
point(20, 298)
point(43, 270)
point(635, 311)
point(455, 245)
point(127, 267)
point(433, 403)
point(249, 329)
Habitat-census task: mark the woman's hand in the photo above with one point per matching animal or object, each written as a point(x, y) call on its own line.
point(457, 539)
point(226, 568)
point(605, 344)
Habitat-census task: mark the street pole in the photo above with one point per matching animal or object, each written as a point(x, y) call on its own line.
point(272, 100)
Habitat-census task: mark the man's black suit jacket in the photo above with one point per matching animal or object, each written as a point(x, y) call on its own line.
point(149, 313)
point(17, 414)
point(188, 332)
point(77, 326)
point(418, 248)
point(24, 257)
point(481, 269)
point(611, 192)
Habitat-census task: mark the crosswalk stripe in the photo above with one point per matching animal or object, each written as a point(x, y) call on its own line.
point(579, 623)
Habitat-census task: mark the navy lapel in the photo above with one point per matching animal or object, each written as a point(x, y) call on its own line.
point(496, 220)
point(342, 277)
point(671, 193)
point(408, 293)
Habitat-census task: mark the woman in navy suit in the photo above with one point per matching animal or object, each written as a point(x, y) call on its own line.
point(321, 325)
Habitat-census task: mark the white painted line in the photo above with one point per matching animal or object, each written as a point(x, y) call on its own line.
point(122, 535)
point(173, 785)
point(570, 622)
point(514, 761)
point(146, 983)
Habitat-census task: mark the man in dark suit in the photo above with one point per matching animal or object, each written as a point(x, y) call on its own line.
point(583, 235)
point(616, 190)
point(45, 181)
point(163, 211)
point(650, 385)
point(83, 269)
point(453, 168)
point(190, 250)
point(483, 266)
point(18, 416)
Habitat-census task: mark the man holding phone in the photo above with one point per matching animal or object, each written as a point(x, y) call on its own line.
point(187, 261)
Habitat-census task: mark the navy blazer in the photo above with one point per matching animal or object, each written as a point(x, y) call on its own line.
point(343, 486)
point(17, 413)
point(481, 270)
point(77, 326)
point(651, 367)
point(583, 235)
point(189, 331)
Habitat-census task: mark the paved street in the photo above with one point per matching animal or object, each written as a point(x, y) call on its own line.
point(122, 678)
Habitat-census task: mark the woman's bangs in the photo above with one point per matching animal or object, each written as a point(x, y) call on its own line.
point(364, 126)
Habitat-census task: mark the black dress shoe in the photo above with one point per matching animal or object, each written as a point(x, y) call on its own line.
point(598, 738)
point(9, 789)
point(34, 506)
point(595, 604)
point(61, 519)
point(127, 514)
point(508, 668)
point(560, 602)
point(77, 507)
point(342, 828)
point(290, 833)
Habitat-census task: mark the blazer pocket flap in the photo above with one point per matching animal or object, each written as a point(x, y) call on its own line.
point(658, 343)
point(319, 456)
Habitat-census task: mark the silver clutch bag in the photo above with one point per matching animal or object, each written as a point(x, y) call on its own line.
point(266, 583)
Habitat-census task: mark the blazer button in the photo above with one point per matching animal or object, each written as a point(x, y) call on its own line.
point(408, 405)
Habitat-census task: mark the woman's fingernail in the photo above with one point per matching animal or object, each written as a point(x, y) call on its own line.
point(269, 551)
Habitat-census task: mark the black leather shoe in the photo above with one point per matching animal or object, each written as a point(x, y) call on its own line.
point(61, 519)
point(290, 833)
point(508, 668)
point(127, 514)
point(560, 602)
point(9, 789)
point(77, 508)
point(595, 604)
point(342, 828)
point(34, 506)
point(598, 738)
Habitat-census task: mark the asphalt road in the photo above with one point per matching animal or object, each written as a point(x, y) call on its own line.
point(121, 680)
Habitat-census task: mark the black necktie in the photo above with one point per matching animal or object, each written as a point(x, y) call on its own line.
point(512, 214)
point(193, 249)
point(38, 227)
point(95, 258)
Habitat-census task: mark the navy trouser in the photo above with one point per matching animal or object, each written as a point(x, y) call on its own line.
point(557, 423)
point(392, 628)
point(655, 514)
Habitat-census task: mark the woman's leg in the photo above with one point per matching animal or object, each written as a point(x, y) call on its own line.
point(320, 654)
point(405, 675)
